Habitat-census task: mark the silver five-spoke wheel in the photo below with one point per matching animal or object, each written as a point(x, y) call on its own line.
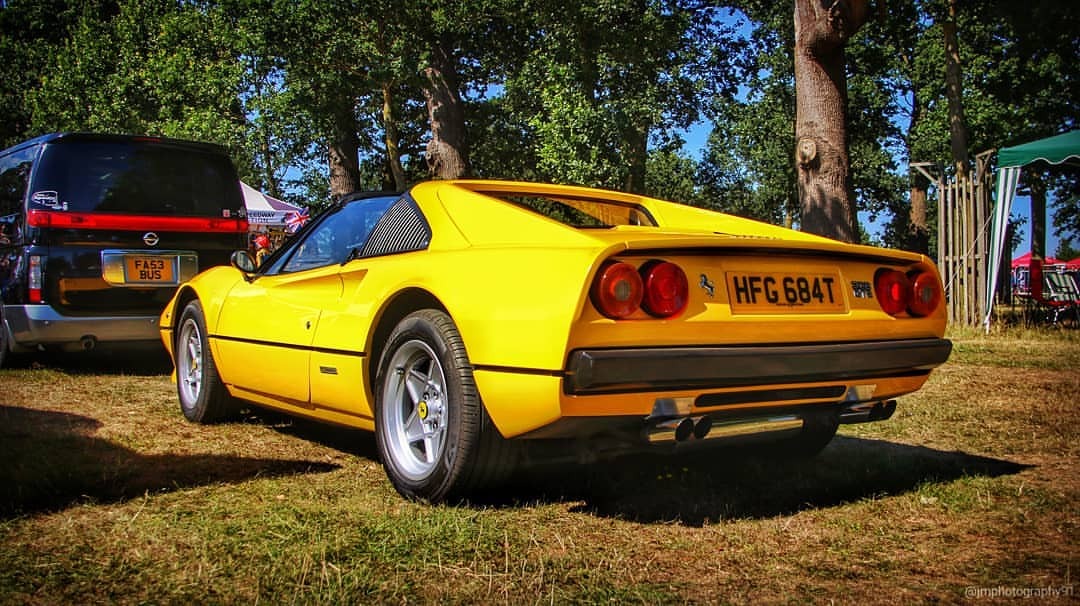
point(203, 397)
point(189, 361)
point(415, 412)
point(434, 438)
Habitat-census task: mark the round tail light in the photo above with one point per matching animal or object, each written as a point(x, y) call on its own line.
point(926, 294)
point(666, 289)
point(893, 290)
point(617, 290)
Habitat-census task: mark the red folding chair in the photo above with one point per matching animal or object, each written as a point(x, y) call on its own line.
point(1053, 308)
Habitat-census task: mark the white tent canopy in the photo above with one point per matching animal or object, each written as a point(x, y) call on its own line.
point(1053, 150)
point(266, 210)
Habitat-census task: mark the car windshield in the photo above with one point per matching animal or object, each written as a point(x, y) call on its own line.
point(136, 177)
point(338, 235)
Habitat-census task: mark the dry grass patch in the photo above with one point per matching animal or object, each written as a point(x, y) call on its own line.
point(114, 498)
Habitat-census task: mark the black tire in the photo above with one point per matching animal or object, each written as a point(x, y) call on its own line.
point(3, 340)
point(818, 430)
point(203, 397)
point(433, 435)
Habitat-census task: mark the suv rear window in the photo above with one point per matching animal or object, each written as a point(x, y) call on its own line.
point(142, 178)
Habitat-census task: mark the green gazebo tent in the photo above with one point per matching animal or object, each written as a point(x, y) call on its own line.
point(1053, 150)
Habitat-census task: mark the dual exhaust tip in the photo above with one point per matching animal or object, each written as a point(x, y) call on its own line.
point(686, 428)
point(680, 429)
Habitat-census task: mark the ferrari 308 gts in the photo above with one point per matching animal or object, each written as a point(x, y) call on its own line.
point(469, 322)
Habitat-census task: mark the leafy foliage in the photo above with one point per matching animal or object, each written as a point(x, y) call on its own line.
point(603, 80)
point(151, 67)
point(595, 93)
point(1066, 251)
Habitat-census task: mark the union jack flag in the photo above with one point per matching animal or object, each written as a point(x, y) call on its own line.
point(295, 220)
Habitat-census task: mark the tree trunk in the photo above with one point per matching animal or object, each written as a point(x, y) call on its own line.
point(636, 141)
point(447, 152)
point(918, 232)
point(954, 92)
point(270, 182)
point(344, 154)
point(826, 195)
point(1037, 189)
point(391, 137)
point(918, 236)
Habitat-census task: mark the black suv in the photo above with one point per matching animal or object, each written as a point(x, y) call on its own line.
point(96, 232)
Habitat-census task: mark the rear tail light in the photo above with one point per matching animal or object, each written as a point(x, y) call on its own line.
point(34, 279)
point(926, 294)
point(893, 290)
point(919, 293)
point(617, 290)
point(666, 289)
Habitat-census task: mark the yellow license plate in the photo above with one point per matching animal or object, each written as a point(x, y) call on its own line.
point(784, 292)
point(149, 269)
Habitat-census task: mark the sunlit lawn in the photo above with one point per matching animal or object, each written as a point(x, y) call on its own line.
point(109, 496)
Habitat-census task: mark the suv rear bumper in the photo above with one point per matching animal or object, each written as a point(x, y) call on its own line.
point(33, 325)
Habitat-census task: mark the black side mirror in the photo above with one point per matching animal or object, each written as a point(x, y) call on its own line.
point(242, 260)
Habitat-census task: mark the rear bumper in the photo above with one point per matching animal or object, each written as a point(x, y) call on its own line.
point(32, 325)
point(601, 371)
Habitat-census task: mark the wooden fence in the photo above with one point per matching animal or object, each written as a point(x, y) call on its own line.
point(963, 237)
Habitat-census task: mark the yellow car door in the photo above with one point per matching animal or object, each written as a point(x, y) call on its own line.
point(338, 384)
point(265, 332)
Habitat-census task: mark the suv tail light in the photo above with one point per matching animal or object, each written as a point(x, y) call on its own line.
point(73, 220)
point(666, 289)
point(33, 280)
point(617, 290)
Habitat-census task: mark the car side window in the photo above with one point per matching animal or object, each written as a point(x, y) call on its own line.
point(339, 235)
point(314, 252)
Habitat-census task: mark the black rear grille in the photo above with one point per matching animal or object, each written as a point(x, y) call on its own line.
point(828, 392)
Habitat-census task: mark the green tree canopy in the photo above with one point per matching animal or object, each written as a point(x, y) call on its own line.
point(594, 93)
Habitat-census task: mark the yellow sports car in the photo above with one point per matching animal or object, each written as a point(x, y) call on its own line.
point(467, 323)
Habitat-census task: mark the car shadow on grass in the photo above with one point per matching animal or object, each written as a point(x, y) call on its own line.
point(143, 359)
point(726, 484)
point(356, 442)
point(706, 485)
point(52, 460)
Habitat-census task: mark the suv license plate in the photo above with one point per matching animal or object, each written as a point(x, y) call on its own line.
point(146, 269)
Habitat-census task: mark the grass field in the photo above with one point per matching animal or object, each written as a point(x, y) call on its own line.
point(969, 493)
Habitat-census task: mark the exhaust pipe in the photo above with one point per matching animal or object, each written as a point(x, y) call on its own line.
point(704, 428)
point(867, 412)
point(670, 430)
